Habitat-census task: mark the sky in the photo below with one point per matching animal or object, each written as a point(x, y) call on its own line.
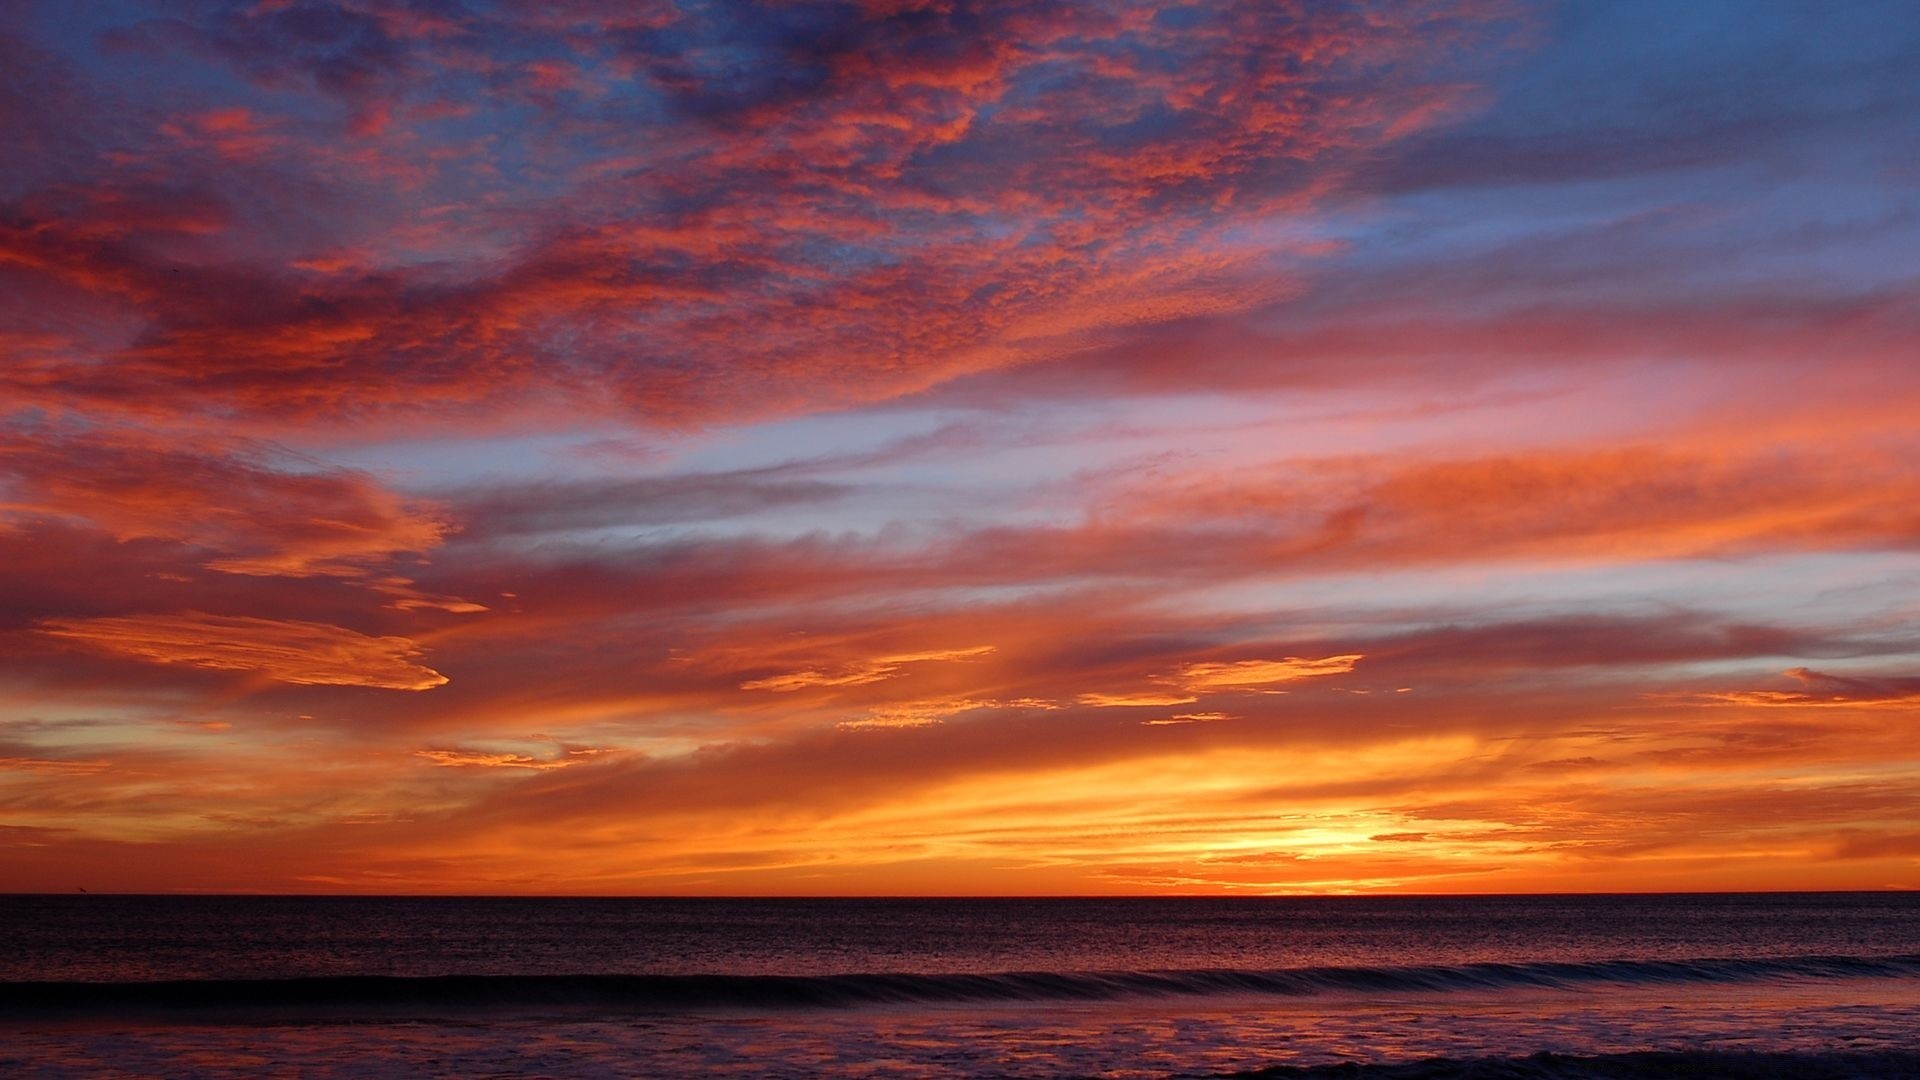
point(925, 447)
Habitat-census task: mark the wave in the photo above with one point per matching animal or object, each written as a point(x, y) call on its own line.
point(677, 993)
point(1726, 1065)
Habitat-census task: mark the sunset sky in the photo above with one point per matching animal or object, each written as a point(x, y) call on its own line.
point(923, 447)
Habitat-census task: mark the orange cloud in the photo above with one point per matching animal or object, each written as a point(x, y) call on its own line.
point(1187, 718)
point(60, 766)
point(1148, 697)
point(1200, 678)
point(910, 714)
point(303, 653)
point(1822, 689)
point(1248, 673)
point(861, 672)
point(485, 759)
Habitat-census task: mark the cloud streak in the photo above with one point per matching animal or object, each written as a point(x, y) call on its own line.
point(287, 651)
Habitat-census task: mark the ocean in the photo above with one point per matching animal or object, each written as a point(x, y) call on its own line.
point(1613, 986)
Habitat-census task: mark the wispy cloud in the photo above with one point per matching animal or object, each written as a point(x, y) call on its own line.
point(1253, 673)
point(495, 759)
point(284, 650)
point(861, 672)
point(1817, 688)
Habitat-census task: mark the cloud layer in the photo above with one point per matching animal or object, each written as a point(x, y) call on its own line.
point(1016, 447)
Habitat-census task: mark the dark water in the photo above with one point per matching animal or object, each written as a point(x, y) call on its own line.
point(1524, 986)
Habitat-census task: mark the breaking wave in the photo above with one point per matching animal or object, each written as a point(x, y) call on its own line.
point(680, 993)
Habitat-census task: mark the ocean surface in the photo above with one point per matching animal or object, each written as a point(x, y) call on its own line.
point(1769, 985)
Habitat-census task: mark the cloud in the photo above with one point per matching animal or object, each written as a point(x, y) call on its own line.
point(1865, 844)
point(223, 497)
point(1250, 673)
point(1187, 718)
point(897, 196)
point(492, 759)
point(861, 672)
point(303, 653)
point(553, 506)
point(1579, 503)
point(60, 766)
point(1201, 678)
point(707, 381)
point(923, 713)
point(1143, 698)
point(1819, 688)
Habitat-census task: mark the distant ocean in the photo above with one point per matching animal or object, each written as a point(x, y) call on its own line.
point(1816, 985)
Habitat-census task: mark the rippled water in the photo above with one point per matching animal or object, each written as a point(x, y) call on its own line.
point(238, 987)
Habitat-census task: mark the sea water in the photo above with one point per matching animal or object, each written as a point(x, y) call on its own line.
point(1766, 984)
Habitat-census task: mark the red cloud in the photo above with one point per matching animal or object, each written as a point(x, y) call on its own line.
point(890, 197)
point(283, 650)
point(217, 497)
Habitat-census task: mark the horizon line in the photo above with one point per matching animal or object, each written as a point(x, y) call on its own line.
point(1886, 890)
